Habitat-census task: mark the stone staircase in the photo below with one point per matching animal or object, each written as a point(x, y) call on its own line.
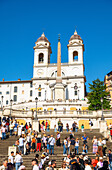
point(58, 151)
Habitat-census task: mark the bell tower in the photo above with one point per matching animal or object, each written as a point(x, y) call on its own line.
point(42, 51)
point(75, 49)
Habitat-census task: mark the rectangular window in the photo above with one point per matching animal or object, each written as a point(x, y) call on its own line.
point(39, 94)
point(75, 93)
point(15, 89)
point(22, 91)
point(7, 102)
point(15, 98)
point(7, 92)
point(31, 85)
point(30, 92)
point(0, 92)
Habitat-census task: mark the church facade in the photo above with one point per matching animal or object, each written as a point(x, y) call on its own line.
point(45, 74)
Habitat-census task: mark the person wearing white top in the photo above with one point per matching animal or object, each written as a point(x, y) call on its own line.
point(34, 163)
point(11, 158)
point(18, 160)
point(104, 147)
point(4, 166)
point(87, 167)
point(51, 142)
point(21, 144)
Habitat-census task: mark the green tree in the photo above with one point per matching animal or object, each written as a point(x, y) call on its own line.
point(98, 91)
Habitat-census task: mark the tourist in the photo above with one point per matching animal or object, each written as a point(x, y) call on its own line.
point(19, 130)
point(76, 127)
point(28, 139)
point(46, 124)
point(55, 129)
point(85, 139)
point(15, 128)
point(4, 166)
point(33, 142)
point(68, 145)
point(11, 126)
point(11, 158)
point(49, 166)
point(3, 130)
point(44, 141)
point(100, 147)
point(94, 162)
point(100, 163)
point(73, 163)
point(35, 164)
point(63, 167)
point(7, 125)
point(73, 126)
point(67, 127)
point(72, 145)
point(105, 166)
point(58, 139)
point(22, 167)
point(77, 146)
point(104, 147)
point(51, 142)
point(18, 160)
point(38, 139)
point(95, 147)
point(21, 144)
point(53, 163)
point(65, 147)
point(109, 158)
point(90, 124)
point(47, 143)
point(85, 148)
point(87, 166)
point(82, 127)
point(67, 160)
point(59, 125)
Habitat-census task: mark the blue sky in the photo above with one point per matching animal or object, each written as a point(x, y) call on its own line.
point(23, 21)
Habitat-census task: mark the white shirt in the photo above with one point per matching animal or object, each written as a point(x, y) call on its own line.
point(67, 160)
point(58, 136)
point(65, 142)
point(77, 143)
point(3, 129)
point(11, 159)
point(18, 159)
point(87, 167)
point(35, 167)
point(3, 167)
point(51, 141)
point(100, 164)
point(104, 142)
point(21, 141)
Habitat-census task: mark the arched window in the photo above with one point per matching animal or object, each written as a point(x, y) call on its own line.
point(75, 56)
point(41, 58)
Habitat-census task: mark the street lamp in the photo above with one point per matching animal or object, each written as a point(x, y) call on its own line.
point(102, 117)
point(36, 99)
point(11, 107)
point(2, 104)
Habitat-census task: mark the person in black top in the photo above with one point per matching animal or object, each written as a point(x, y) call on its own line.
point(109, 158)
point(72, 145)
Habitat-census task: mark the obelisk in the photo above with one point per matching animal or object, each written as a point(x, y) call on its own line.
point(59, 79)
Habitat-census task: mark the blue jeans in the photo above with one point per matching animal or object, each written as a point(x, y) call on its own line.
point(51, 147)
point(64, 149)
point(21, 148)
point(76, 129)
point(3, 135)
point(110, 165)
point(67, 130)
point(77, 149)
point(17, 165)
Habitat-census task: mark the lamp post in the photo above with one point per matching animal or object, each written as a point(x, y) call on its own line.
point(36, 99)
point(102, 117)
point(11, 107)
point(2, 104)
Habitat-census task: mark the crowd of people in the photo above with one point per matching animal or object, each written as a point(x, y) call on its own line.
point(30, 141)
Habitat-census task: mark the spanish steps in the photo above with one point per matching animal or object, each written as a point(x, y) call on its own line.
point(58, 151)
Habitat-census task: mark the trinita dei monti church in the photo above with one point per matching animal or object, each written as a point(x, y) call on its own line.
point(57, 86)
